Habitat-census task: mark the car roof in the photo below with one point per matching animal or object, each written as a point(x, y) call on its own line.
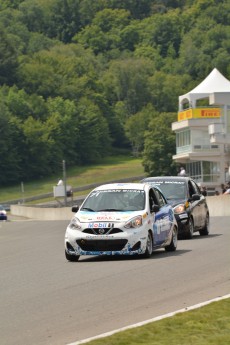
point(166, 178)
point(138, 186)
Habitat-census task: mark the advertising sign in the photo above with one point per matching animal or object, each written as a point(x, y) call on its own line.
point(199, 113)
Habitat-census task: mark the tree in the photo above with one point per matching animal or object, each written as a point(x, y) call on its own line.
point(63, 123)
point(160, 146)
point(11, 159)
point(138, 9)
point(23, 105)
point(127, 81)
point(65, 20)
point(95, 141)
point(136, 126)
point(105, 31)
point(60, 71)
point(38, 153)
point(8, 59)
point(162, 32)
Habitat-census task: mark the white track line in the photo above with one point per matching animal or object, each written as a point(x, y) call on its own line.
point(149, 321)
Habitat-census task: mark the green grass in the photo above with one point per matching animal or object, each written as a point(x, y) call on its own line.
point(208, 325)
point(110, 168)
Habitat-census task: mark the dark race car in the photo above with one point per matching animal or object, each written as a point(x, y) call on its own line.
point(189, 205)
point(3, 213)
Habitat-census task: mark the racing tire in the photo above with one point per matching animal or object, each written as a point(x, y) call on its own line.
point(189, 233)
point(173, 244)
point(72, 258)
point(205, 230)
point(149, 246)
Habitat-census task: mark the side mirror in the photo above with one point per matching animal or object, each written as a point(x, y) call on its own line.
point(194, 197)
point(75, 208)
point(155, 208)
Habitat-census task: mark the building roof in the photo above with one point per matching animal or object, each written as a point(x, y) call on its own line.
point(214, 82)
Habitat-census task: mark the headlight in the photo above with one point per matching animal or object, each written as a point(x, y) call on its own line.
point(135, 222)
point(75, 224)
point(179, 208)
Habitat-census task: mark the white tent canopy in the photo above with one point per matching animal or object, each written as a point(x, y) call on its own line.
point(214, 82)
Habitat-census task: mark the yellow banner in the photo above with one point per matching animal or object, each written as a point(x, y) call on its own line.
point(199, 113)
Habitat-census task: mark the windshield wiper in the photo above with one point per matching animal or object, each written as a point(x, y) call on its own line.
point(87, 209)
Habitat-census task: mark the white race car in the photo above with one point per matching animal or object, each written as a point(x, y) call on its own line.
point(121, 219)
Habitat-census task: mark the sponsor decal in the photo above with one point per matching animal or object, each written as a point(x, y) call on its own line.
point(182, 216)
point(99, 225)
point(171, 214)
point(210, 113)
point(104, 218)
point(183, 115)
point(168, 182)
point(98, 237)
point(197, 113)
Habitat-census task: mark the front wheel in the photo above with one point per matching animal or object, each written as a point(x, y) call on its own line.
point(190, 231)
point(72, 258)
point(173, 244)
point(149, 246)
point(205, 230)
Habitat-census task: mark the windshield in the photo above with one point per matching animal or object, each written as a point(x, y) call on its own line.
point(172, 189)
point(115, 200)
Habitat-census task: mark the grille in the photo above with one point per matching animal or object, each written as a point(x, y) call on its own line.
point(97, 231)
point(102, 245)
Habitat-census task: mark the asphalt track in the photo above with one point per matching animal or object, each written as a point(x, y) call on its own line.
point(45, 300)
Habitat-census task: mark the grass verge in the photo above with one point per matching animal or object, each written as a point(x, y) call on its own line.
point(208, 325)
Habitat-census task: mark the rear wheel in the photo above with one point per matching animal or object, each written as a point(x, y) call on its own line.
point(72, 258)
point(149, 246)
point(173, 244)
point(205, 230)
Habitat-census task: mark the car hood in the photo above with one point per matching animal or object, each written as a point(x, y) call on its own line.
point(85, 216)
point(175, 202)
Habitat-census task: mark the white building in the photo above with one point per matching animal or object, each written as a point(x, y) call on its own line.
point(203, 132)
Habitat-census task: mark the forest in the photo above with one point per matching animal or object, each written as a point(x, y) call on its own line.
point(84, 79)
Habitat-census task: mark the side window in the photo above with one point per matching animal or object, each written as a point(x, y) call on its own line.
point(152, 198)
point(191, 189)
point(160, 198)
point(195, 187)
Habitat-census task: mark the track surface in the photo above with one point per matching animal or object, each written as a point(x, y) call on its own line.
point(46, 300)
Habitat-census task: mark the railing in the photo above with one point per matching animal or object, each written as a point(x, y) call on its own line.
point(184, 149)
point(207, 147)
point(206, 178)
point(197, 148)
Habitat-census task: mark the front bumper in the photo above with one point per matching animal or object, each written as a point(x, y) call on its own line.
point(125, 242)
point(182, 222)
